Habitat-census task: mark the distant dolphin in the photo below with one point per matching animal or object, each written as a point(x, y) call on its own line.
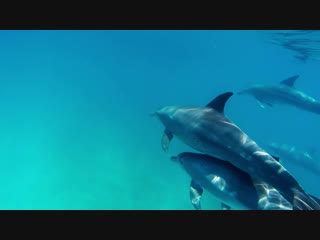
point(293, 155)
point(233, 187)
point(283, 93)
point(209, 131)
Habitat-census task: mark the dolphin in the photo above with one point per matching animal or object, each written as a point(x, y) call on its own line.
point(283, 93)
point(231, 186)
point(291, 155)
point(207, 130)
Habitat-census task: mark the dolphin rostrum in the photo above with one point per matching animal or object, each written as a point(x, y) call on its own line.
point(209, 131)
point(231, 186)
point(283, 93)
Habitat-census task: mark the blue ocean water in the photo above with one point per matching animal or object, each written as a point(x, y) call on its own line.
point(75, 126)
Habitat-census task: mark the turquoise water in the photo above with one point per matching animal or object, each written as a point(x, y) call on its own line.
point(75, 126)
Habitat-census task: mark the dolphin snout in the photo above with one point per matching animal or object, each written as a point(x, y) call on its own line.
point(157, 112)
point(174, 159)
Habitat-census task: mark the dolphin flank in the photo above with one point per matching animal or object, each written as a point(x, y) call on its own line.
point(209, 131)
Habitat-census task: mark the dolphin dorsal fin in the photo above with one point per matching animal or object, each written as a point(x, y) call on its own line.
point(276, 158)
point(219, 102)
point(290, 81)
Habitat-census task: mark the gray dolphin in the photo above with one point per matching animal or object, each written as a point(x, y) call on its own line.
point(294, 156)
point(209, 131)
point(231, 186)
point(283, 93)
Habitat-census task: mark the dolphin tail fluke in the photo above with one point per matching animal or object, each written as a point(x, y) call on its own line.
point(303, 201)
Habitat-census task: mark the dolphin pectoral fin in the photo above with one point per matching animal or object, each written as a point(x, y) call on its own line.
point(195, 194)
point(290, 81)
point(269, 104)
point(263, 104)
point(225, 206)
point(220, 101)
point(311, 151)
point(166, 139)
point(269, 197)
